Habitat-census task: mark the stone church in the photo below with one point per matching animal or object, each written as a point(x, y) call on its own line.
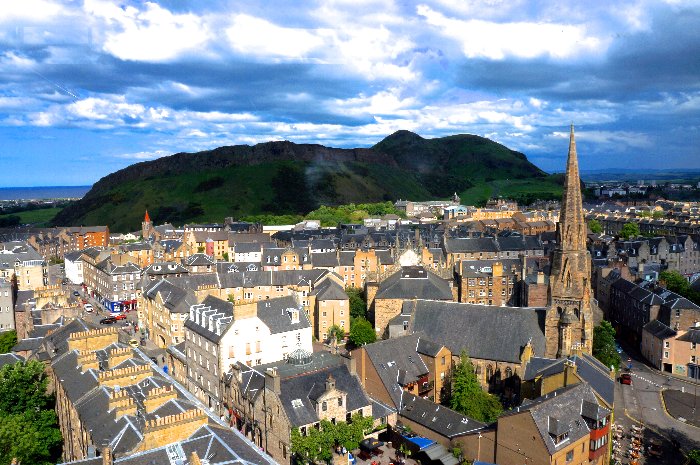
point(569, 316)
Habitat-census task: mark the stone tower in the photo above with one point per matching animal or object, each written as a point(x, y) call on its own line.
point(146, 226)
point(569, 320)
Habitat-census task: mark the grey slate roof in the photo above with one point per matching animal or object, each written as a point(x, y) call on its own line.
point(659, 330)
point(324, 259)
point(559, 412)
point(693, 336)
point(397, 363)
point(438, 418)
point(414, 282)
point(10, 359)
point(175, 298)
point(211, 318)
point(305, 385)
point(273, 312)
point(329, 289)
point(484, 331)
point(596, 375)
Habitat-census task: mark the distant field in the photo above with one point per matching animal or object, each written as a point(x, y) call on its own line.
point(40, 216)
point(523, 190)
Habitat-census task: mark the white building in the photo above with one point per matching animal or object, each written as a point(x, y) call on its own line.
point(219, 334)
point(73, 264)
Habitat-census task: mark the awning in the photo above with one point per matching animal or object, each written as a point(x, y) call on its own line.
point(435, 451)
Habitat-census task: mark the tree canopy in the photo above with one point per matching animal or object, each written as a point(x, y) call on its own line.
point(361, 332)
point(676, 282)
point(28, 423)
point(358, 305)
point(604, 348)
point(468, 398)
point(629, 230)
point(595, 226)
point(8, 339)
point(318, 444)
point(336, 332)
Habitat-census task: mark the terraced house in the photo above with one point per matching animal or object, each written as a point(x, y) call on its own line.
point(163, 309)
point(21, 264)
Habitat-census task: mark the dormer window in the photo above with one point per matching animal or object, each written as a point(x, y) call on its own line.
point(560, 438)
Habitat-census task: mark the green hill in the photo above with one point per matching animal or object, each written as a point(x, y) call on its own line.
point(280, 178)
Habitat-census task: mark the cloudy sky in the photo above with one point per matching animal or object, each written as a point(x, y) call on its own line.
point(90, 86)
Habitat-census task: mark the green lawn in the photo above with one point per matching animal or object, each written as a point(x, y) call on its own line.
point(37, 217)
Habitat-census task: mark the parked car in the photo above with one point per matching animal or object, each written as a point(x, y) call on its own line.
point(133, 343)
point(626, 378)
point(121, 316)
point(76, 293)
point(110, 320)
point(88, 308)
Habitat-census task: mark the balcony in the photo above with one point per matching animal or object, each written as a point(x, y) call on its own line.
point(425, 387)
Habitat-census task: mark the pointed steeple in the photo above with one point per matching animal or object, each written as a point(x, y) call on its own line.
point(572, 224)
point(146, 218)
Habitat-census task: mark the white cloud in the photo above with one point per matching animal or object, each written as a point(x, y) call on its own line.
point(38, 11)
point(486, 39)
point(255, 36)
point(143, 155)
point(151, 34)
point(609, 138)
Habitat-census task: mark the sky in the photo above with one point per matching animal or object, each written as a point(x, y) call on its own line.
point(91, 86)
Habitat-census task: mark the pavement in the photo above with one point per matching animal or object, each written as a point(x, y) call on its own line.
point(642, 403)
point(682, 406)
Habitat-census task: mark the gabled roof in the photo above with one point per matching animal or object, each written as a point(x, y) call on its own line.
point(484, 331)
point(659, 330)
point(329, 289)
point(692, 336)
point(175, 298)
point(275, 314)
point(436, 417)
point(414, 282)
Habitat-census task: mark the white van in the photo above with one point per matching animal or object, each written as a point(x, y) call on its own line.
point(88, 308)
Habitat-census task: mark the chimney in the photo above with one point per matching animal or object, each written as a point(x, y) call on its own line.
point(118, 356)
point(173, 428)
point(94, 339)
point(497, 270)
point(124, 376)
point(107, 458)
point(540, 277)
point(194, 459)
point(523, 267)
point(272, 380)
point(121, 402)
point(87, 359)
point(330, 383)
point(350, 363)
point(156, 397)
point(569, 373)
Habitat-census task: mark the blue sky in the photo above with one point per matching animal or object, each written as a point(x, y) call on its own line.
point(90, 86)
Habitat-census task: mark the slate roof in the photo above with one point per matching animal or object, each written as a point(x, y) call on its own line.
point(211, 318)
point(198, 259)
point(484, 331)
point(397, 363)
point(73, 256)
point(414, 282)
point(659, 330)
point(308, 384)
point(560, 412)
point(165, 268)
point(436, 417)
point(693, 336)
point(175, 298)
point(324, 259)
point(10, 359)
point(247, 247)
point(596, 375)
point(329, 289)
point(428, 348)
point(273, 312)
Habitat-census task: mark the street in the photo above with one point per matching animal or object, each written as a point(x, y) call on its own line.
point(641, 403)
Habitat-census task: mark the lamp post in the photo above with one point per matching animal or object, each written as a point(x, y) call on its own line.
point(478, 448)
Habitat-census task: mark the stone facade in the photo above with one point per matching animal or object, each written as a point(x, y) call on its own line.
point(569, 319)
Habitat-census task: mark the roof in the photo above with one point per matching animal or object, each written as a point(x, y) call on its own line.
point(324, 259)
point(175, 298)
point(436, 417)
point(397, 363)
point(693, 336)
point(10, 359)
point(275, 314)
point(481, 329)
point(414, 282)
point(211, 318)
point(329, 289)
point(659, 330)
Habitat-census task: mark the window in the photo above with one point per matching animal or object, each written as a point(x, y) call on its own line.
point(340, 401)
point(324, 406)
point(665, 354)
point(442, 361)
point(667, 344)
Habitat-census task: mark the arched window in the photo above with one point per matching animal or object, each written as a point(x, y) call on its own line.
point(489, 373)
point(509, 372)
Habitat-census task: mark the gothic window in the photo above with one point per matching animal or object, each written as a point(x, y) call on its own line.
point(509, 372)
point(489, 373)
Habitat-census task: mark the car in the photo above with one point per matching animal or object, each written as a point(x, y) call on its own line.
point(88, 308)
point(133, 343)
point(626, 378)
point(110, 320)
point(76, 293)
point(119, 317)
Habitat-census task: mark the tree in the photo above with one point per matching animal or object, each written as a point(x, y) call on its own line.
point(595, 226)
point(336, 332)
point(468, 398)
point(694, 457)
point(23, 388)
point(604, 348)
point(28, 425)
point(8, 340)
point(629, 230)
point(361, 332)
point(676, 282)
point(358, 305)
point(318, 444)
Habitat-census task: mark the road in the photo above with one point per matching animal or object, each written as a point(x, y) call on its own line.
point(641, 402)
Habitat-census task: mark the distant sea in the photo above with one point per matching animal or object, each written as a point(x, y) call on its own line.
point(43, 192)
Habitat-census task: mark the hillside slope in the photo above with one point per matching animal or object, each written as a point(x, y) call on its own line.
point(287, 178)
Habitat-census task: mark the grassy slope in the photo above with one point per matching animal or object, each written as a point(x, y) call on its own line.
point(39, 217)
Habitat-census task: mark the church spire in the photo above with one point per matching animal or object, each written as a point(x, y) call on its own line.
point(146, 218)
point(572, 225)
